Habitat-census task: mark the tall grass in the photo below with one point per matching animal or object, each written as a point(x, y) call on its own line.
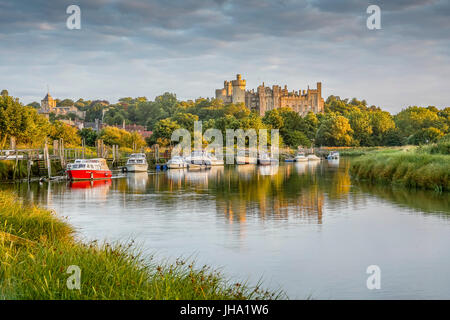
point(36, 248)
point(408, 169)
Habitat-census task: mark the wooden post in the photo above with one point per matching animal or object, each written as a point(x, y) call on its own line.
point(47, 160)
point(29, 163)
point(82, 146)
point(62, 153)
point(12, 143)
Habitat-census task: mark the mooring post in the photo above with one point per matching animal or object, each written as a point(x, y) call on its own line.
point(47, 160)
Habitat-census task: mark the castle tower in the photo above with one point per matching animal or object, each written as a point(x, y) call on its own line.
point(238, 95)
point(48, 103)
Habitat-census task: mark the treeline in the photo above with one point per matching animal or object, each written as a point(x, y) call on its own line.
point(31, 129)
point(344, 123)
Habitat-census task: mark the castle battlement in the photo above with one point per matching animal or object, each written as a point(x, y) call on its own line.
point(266, 98)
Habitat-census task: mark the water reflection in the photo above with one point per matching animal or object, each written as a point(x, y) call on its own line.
point(137, 181)
point(306, 225)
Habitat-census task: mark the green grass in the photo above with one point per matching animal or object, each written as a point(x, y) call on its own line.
point(409, 169)
point(37, 247)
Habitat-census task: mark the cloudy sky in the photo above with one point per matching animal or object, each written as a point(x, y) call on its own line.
point(189, 47)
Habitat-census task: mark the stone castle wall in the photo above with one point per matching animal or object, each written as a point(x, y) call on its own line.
point(266, 98)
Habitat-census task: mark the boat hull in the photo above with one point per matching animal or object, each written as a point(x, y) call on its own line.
point(89, 174)
point(137, 167)
point(176, 165)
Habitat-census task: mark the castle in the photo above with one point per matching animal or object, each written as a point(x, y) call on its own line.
point(48, 105)
point(266, 98)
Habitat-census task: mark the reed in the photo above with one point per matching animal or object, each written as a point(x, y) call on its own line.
point(37, 247)
point(409, 169)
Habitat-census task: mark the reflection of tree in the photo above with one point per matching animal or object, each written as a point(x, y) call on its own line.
point(422, 200)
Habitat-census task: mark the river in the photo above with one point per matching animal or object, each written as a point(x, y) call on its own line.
point(305, 228)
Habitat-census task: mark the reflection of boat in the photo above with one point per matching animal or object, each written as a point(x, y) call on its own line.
point(175, 174)
point(176, 162)
point(268, 170)
point(137, 181)
point(333, 163)
point(334, 155)
point(246, 171)
point(137, 162)
point(300, 157)
point(301, 166)
point(88, 169)
point(197, 177)
point(313, 157)
point(85, 184)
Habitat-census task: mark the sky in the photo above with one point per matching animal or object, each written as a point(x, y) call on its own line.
point(189, 47)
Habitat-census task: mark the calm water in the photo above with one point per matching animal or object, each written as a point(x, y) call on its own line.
point(301, 227)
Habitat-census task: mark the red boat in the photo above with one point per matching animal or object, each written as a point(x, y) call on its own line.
point(88, 169)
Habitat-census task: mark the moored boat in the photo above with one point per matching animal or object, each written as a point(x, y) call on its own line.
point(176, 162)
point(334, 155)
point(137, 162)
point(88, 169)
point(300, 157)
point(313, 157)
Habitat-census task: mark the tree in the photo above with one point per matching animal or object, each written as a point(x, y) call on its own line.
point(185, 120)
point(426, 135)
point(89, 136)
point(163, 132)
point(23, 123)
point(4, 93)
point(273, 119)
point(381, 122)
point(361, 126)
point(336, 131)
point(69, 134)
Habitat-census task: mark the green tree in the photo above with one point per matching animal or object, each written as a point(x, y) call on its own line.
point(89, 136)
point(60, 130)
point(163, 132)
point(361, 126)
point(335, 130)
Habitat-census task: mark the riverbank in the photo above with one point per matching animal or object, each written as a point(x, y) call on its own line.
point(407, 168)
point(37, 248)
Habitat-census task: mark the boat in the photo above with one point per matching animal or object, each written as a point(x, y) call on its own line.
point(246, 158)
point(177, 162)
point(195, 165)
point(334, 155)
point(300, 157)
point(214, 161)
point(88, 169)
point(313, 157)
point(264, 159)
point(137, 162)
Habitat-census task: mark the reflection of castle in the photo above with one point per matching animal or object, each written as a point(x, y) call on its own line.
point(266, 98)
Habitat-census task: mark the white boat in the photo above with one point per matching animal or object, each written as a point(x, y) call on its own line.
point(198, 166)
point(137, 162)
point(214, 160)
point(264, 159)
point(313, 157)
point(177, 162)
point(246, 158)
point(334, 155)
point(300, 157)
